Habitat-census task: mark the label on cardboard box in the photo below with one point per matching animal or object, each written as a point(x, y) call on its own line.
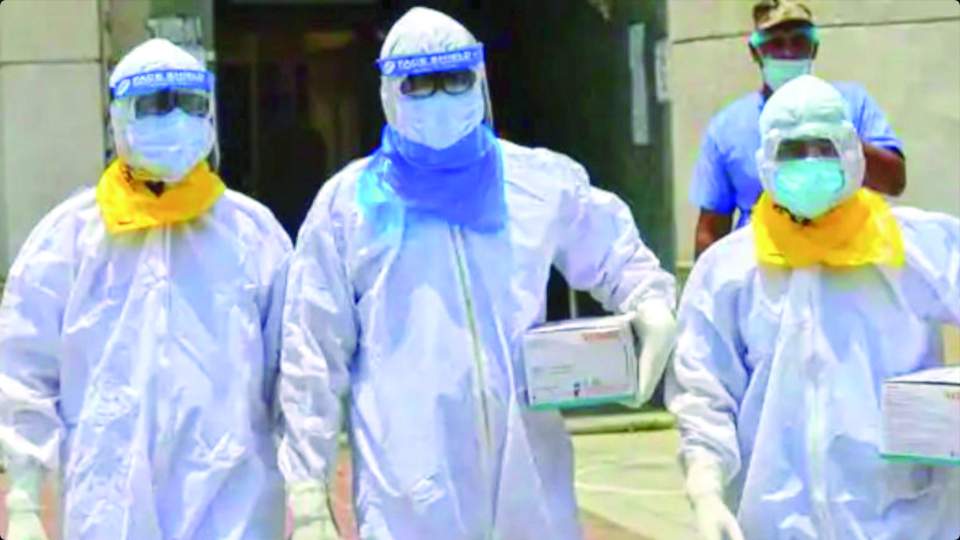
point(580, 362)
point(921, 417)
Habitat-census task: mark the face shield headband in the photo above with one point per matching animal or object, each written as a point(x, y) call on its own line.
point(419, 64)
point(168, 79)
point(165, 137)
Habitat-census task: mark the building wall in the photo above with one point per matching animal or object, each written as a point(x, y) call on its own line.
point(127, 23)
point(51, 113)
point(903, 53)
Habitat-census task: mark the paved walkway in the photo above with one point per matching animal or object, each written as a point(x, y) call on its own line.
point(628, 486)
point(631, 484)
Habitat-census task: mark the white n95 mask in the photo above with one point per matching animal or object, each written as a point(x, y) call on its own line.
point(441, 120)
point(167, 146)
point(777, 72)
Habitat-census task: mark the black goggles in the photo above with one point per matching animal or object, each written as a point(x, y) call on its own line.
point(793, 149)
point(164, 101)
point(427, 84)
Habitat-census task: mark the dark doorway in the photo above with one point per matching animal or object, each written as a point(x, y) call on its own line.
point(299, 96)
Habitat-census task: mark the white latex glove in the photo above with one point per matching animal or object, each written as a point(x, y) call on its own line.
point(704, 487)
point(311, 512)
point(657, 329)
point(23, 504)
point(25, 526)
point(714, 519)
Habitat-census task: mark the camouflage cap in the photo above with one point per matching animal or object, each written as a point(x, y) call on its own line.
point(769, 13)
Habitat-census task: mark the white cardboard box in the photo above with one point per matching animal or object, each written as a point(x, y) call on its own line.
point(580, 362)
point(921, 417)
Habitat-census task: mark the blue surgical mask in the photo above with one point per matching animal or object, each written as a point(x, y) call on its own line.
point(808, 188)
point(169, 146)
point(778, 72)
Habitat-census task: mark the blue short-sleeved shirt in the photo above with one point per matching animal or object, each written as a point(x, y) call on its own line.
point(726, 177)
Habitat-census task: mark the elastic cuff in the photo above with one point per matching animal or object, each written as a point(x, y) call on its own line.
point(309, 502)
point(704, 478)
point(25, 482)
point(21, 502)
point(642, 297)
point(654, 307)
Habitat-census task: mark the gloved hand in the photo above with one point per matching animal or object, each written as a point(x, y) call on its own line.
point(657, 329)
point(311, 512)
point(714, 519)
point(704, 487)
point(23, 503)
point(25, 526)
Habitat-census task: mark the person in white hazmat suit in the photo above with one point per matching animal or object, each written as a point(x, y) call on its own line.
point(415, 275)
point(788, 329)
point(140, 334)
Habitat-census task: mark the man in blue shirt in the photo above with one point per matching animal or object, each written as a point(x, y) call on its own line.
point(725, 179)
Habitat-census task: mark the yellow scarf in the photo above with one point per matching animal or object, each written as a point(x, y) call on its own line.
point(860, 231)
point(127, 204)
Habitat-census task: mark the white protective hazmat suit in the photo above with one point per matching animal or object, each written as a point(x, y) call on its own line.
point(777, 376)
point(140, 367)
point(420, 322)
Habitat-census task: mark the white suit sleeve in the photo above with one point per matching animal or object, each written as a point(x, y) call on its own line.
point(275, 252)
point(319, 339)
point(31, 316)
point(707, 379)
point(600, 250)
point(932, 244)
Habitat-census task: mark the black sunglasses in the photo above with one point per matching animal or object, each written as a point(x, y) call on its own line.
point(164, 101)
point(426, 85)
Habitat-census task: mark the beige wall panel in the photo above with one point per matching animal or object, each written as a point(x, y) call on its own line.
point(49, 30)
point(704, 77)
point(52, 135)
point(911, 69)
point(692, 19)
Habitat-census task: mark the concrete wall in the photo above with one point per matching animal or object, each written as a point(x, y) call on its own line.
point(904, 53)
point(127, 23)
point(51, 110)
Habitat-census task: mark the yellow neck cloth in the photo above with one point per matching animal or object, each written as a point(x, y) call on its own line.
point(127, 204)
point(860, 231)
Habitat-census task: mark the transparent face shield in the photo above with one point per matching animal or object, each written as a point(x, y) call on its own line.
point(790, 43)
point(813, 140)
point(416, 79)
point(806, 148)
point(164, 121)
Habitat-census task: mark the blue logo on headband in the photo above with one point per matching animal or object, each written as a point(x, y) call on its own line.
point(416, 64)
point(147, 83)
